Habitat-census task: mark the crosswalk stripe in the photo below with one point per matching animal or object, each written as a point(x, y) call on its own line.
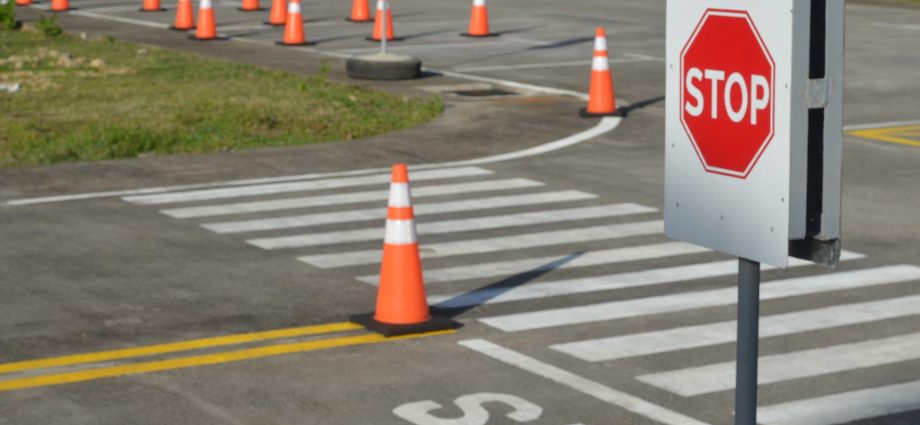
point(587, 284)
point(613, 348)
point(346, 198)
point(701, 299)
point(503, 243)
point(543, 264)
point(380, 213)
point(788, 366)
point(844, 407)
point(453, 226)
point(298, 186)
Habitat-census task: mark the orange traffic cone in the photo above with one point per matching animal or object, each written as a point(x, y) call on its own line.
point(151, 6)
point(383, 5)
point(360, 11)
point(207, 26)
point(293, 30)
point(278, 15)
point(23, 2)
point(479, 21)
point(601, 98)
point(250, 6)
point(185, 17)
point(60, 5)
point(402, 306)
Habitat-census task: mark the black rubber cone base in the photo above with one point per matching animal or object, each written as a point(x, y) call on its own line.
point(174, 28)
point(383, 67)
point(366, 21)
point(218, 38)
point(492, 34)
point(308, 43)
point(261, 9)
point(388, 40)
point(433, 324)
point(583, 112)
point(274, 25)
point(152, 10)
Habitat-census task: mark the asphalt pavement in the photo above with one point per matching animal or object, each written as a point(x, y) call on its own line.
point(214, 288)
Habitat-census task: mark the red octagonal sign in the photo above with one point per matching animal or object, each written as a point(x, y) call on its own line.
point(727, 92)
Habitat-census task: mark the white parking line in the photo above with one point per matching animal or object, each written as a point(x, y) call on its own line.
point(844, 407)
point(682, 338)
point(455, 226)
point(299, 186)
point(503, 243)
point(579, 383)
point(347, 198)
point(380, 213)
point(712, 378)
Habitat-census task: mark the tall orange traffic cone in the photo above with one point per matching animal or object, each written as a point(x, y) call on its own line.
point(293, 30)
point(250, 6)
point(185, 17)
point(360, 11)
point(479, 21)
point(278, 14)
point(207, 26)
point(60, 5)
point(151, 6)
point(402, 306)
point(601, 98)
point(383, 5)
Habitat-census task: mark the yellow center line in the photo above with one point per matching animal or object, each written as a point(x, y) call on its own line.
point(202, 360)
point(176, 347)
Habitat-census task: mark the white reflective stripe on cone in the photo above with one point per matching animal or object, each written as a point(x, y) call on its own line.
point(379, 4)
point(600, 64)
point(206, 4)
point(479, 2)
point(600, 44)
point(400, 232)
point(399, 195)
point(294, 7)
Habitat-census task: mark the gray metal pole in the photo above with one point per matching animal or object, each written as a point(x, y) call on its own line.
point(746, 366)
point(384, 23)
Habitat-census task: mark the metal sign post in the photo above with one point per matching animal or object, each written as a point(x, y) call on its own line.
point(748, 338)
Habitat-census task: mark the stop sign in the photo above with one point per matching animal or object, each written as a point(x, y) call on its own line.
point(727, 93)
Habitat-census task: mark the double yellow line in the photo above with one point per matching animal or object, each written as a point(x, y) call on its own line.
point(903, 135)
point(190, 361)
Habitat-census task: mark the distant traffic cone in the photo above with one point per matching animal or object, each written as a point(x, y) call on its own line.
point(360, 11)
point(185, 17)
point(601, 98)
point(479, 21)
point(23, 2)
point(402, 306)
point(151, 6)
point(60, 5)
point(207, 26)
point(293, 29)
point(250, 6)
point(278, 15)
point(383, 5)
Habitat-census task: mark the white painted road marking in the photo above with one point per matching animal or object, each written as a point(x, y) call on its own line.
point(581, 384)
point(588, 284)
point(504, 243)
point(299, 186)
point(844, 407)
point(700, 299)
point(346, 198)
point(456, 226)
point(380, 213)
point(712, 378)
point(541, 264)
point(613, 348)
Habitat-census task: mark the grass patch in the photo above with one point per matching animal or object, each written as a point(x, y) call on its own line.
point(84, 100)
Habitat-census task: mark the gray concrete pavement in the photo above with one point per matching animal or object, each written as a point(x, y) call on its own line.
point(102, 274)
